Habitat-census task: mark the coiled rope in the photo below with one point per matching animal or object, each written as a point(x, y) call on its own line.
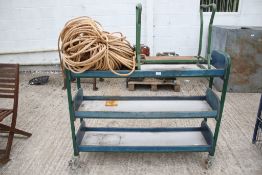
point(83, 45)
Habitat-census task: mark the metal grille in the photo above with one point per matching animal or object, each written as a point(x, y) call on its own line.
point(222, 5)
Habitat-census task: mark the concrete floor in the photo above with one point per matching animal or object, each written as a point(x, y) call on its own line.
point(43, 111)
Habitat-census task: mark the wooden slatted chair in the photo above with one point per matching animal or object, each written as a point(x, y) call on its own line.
point(9, 86)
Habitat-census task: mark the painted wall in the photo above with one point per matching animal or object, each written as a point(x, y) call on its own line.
point(29, 28)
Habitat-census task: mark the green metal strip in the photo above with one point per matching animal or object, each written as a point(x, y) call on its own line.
point(207, 133)
point(78, 98)
point(212, 99)
point(80, 133)
point(71, 111)
point(78, 83)
point(145, 115)
point(210, 26)
point(222, 103)
point(200, 33)
point(148, 149)
point(130, 98)
point(155, 74)
point(171, 61)
point(138, 34)
point(211, 79)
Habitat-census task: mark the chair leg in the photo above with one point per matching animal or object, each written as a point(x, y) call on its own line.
point(11, 136)
point(12, 130)
point(16, 131)
point(4, 159)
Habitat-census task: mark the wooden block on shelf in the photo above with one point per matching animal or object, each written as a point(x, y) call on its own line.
point(131, 87)
point(153, 87)
point(177, 86)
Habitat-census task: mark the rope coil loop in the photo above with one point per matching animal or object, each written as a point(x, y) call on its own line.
point(83, 45)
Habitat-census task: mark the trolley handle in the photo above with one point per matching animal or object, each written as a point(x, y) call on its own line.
point(214, 8)
point(139, 12)
point(138, 33)
point(213, 5)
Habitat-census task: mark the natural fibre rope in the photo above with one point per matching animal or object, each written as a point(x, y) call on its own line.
point(83, 45)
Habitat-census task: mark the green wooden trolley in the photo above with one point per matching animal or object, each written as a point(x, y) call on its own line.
point(177, 139)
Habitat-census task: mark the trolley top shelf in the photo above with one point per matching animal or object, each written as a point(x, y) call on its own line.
point(219, 65)
point(174, 67)
point(152, 74)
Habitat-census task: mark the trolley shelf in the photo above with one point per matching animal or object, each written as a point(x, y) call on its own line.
point(199, 139)
point(153, 74)
point(164, 67)
point(145, 139)
point(171, 59)
point(147, 107)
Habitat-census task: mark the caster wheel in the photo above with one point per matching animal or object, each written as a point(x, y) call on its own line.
point(74, 163)
point(209, 162)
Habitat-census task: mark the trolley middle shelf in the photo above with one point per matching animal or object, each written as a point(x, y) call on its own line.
point(132, 107)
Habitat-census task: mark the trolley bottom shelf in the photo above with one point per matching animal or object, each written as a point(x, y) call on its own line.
point(197, 139)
